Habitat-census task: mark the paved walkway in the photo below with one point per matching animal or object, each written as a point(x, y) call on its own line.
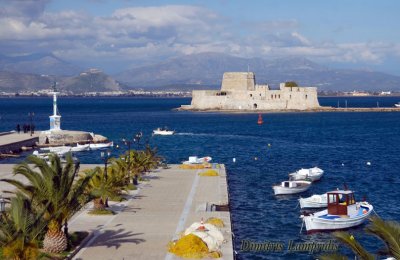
point(14, 141)
point(163, 207)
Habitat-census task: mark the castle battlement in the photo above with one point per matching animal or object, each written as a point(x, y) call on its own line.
point(239, 91)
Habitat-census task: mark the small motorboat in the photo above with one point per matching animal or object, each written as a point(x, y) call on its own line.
point(80, 148)
point(196, 160)
point(313, 174)
point(397, 104)
point(343, 212)
point(101, 145)
point(163, 131)
point(315, 201)
point(291, 187)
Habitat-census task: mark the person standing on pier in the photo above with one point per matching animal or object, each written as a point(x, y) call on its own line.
point(18, 128)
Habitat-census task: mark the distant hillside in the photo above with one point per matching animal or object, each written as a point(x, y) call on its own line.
point(39, 63)
point(207, 69)
point(92, 80)
point(16, 82)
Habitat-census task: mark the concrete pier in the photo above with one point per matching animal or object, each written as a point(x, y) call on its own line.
point(13, 142)
point(163, 207)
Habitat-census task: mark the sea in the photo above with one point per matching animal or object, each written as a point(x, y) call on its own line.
point(359, 150)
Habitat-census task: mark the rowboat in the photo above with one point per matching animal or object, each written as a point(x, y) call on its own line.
point(343, 212)
point(315, 201)
point(101, 145)
point(80, 148)
point(313, 174)
point(291, 187)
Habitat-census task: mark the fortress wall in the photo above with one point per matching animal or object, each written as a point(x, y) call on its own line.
point(207, 99)
point(238, 81)
point(238, 92)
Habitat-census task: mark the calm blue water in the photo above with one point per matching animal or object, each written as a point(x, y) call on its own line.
point(283, 144)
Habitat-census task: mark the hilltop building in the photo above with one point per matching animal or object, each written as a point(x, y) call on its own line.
point(239, 91)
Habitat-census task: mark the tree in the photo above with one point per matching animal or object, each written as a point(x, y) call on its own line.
point(387, 231)
point(55, 190)
point(20, 228)
point(291, 84)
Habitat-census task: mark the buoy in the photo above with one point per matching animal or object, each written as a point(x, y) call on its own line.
point(234, 160)
point(255, 158)
point(269, 145)
point(260, 120)
point(342, 164)
point(201, 227)
point(368, 163)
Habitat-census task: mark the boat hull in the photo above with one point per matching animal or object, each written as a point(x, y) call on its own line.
point(313, 174)
point(315, 222)
point(280, 190)
point(315, 201)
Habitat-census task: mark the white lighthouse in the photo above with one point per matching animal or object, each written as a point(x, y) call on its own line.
point(55, 119)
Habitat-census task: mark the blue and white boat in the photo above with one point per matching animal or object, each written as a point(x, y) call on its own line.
point(343, 212)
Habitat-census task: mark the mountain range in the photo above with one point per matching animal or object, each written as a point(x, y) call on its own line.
point(197, 71)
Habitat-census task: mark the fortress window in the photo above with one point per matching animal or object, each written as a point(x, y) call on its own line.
point(251, 95)
point(255, 106)
point(290, 96)
point(306, 96)
point(275, 95)
point(279, 96)
point(260, 94)
point(272, 96)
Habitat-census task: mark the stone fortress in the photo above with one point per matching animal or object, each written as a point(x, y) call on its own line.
point(239, 91)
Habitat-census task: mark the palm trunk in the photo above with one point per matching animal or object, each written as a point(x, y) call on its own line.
point(55, 241)
point(98, 204)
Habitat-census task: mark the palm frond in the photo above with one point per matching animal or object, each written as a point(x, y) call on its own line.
point(349, 240)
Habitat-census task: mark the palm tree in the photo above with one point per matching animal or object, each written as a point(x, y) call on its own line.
point(54, 189)
point(387, 231)
point(100, 189)
point(20, 228)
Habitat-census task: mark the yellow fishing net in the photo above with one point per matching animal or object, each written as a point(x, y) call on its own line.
point(189, 246)
point(209, 173)
point(216, 222)
point(194, 166)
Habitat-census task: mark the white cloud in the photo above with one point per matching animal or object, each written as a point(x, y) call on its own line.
point(148, 33)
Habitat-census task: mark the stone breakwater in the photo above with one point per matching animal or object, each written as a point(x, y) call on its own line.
point(320, 109)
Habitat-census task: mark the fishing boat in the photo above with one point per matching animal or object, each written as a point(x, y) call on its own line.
point(101, 145)
point(313, 174)
point(56, 149)
point(315, 201)
point(343, 212)
point(291, 187)
point(260, 120)
point(163, 131)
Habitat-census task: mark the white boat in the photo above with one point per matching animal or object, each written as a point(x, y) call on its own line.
point(101, 145)
point(46, 155)
point(80, 148)
point(397, 105)
point(315, 201)
point(313, 174)
point(196, 160)
point(163, 131)
point(55, 149)
point(342, 212)
point(291, 187)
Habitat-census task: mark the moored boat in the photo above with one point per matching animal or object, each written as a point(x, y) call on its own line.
point(342, 212)
point(313, 174)
point(291, 187)
point(101, 145)
point(163, 131)
point(315, 201)
point(397, 104)
point(80, 148)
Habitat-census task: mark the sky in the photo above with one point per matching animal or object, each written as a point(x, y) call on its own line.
point(115, 35)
